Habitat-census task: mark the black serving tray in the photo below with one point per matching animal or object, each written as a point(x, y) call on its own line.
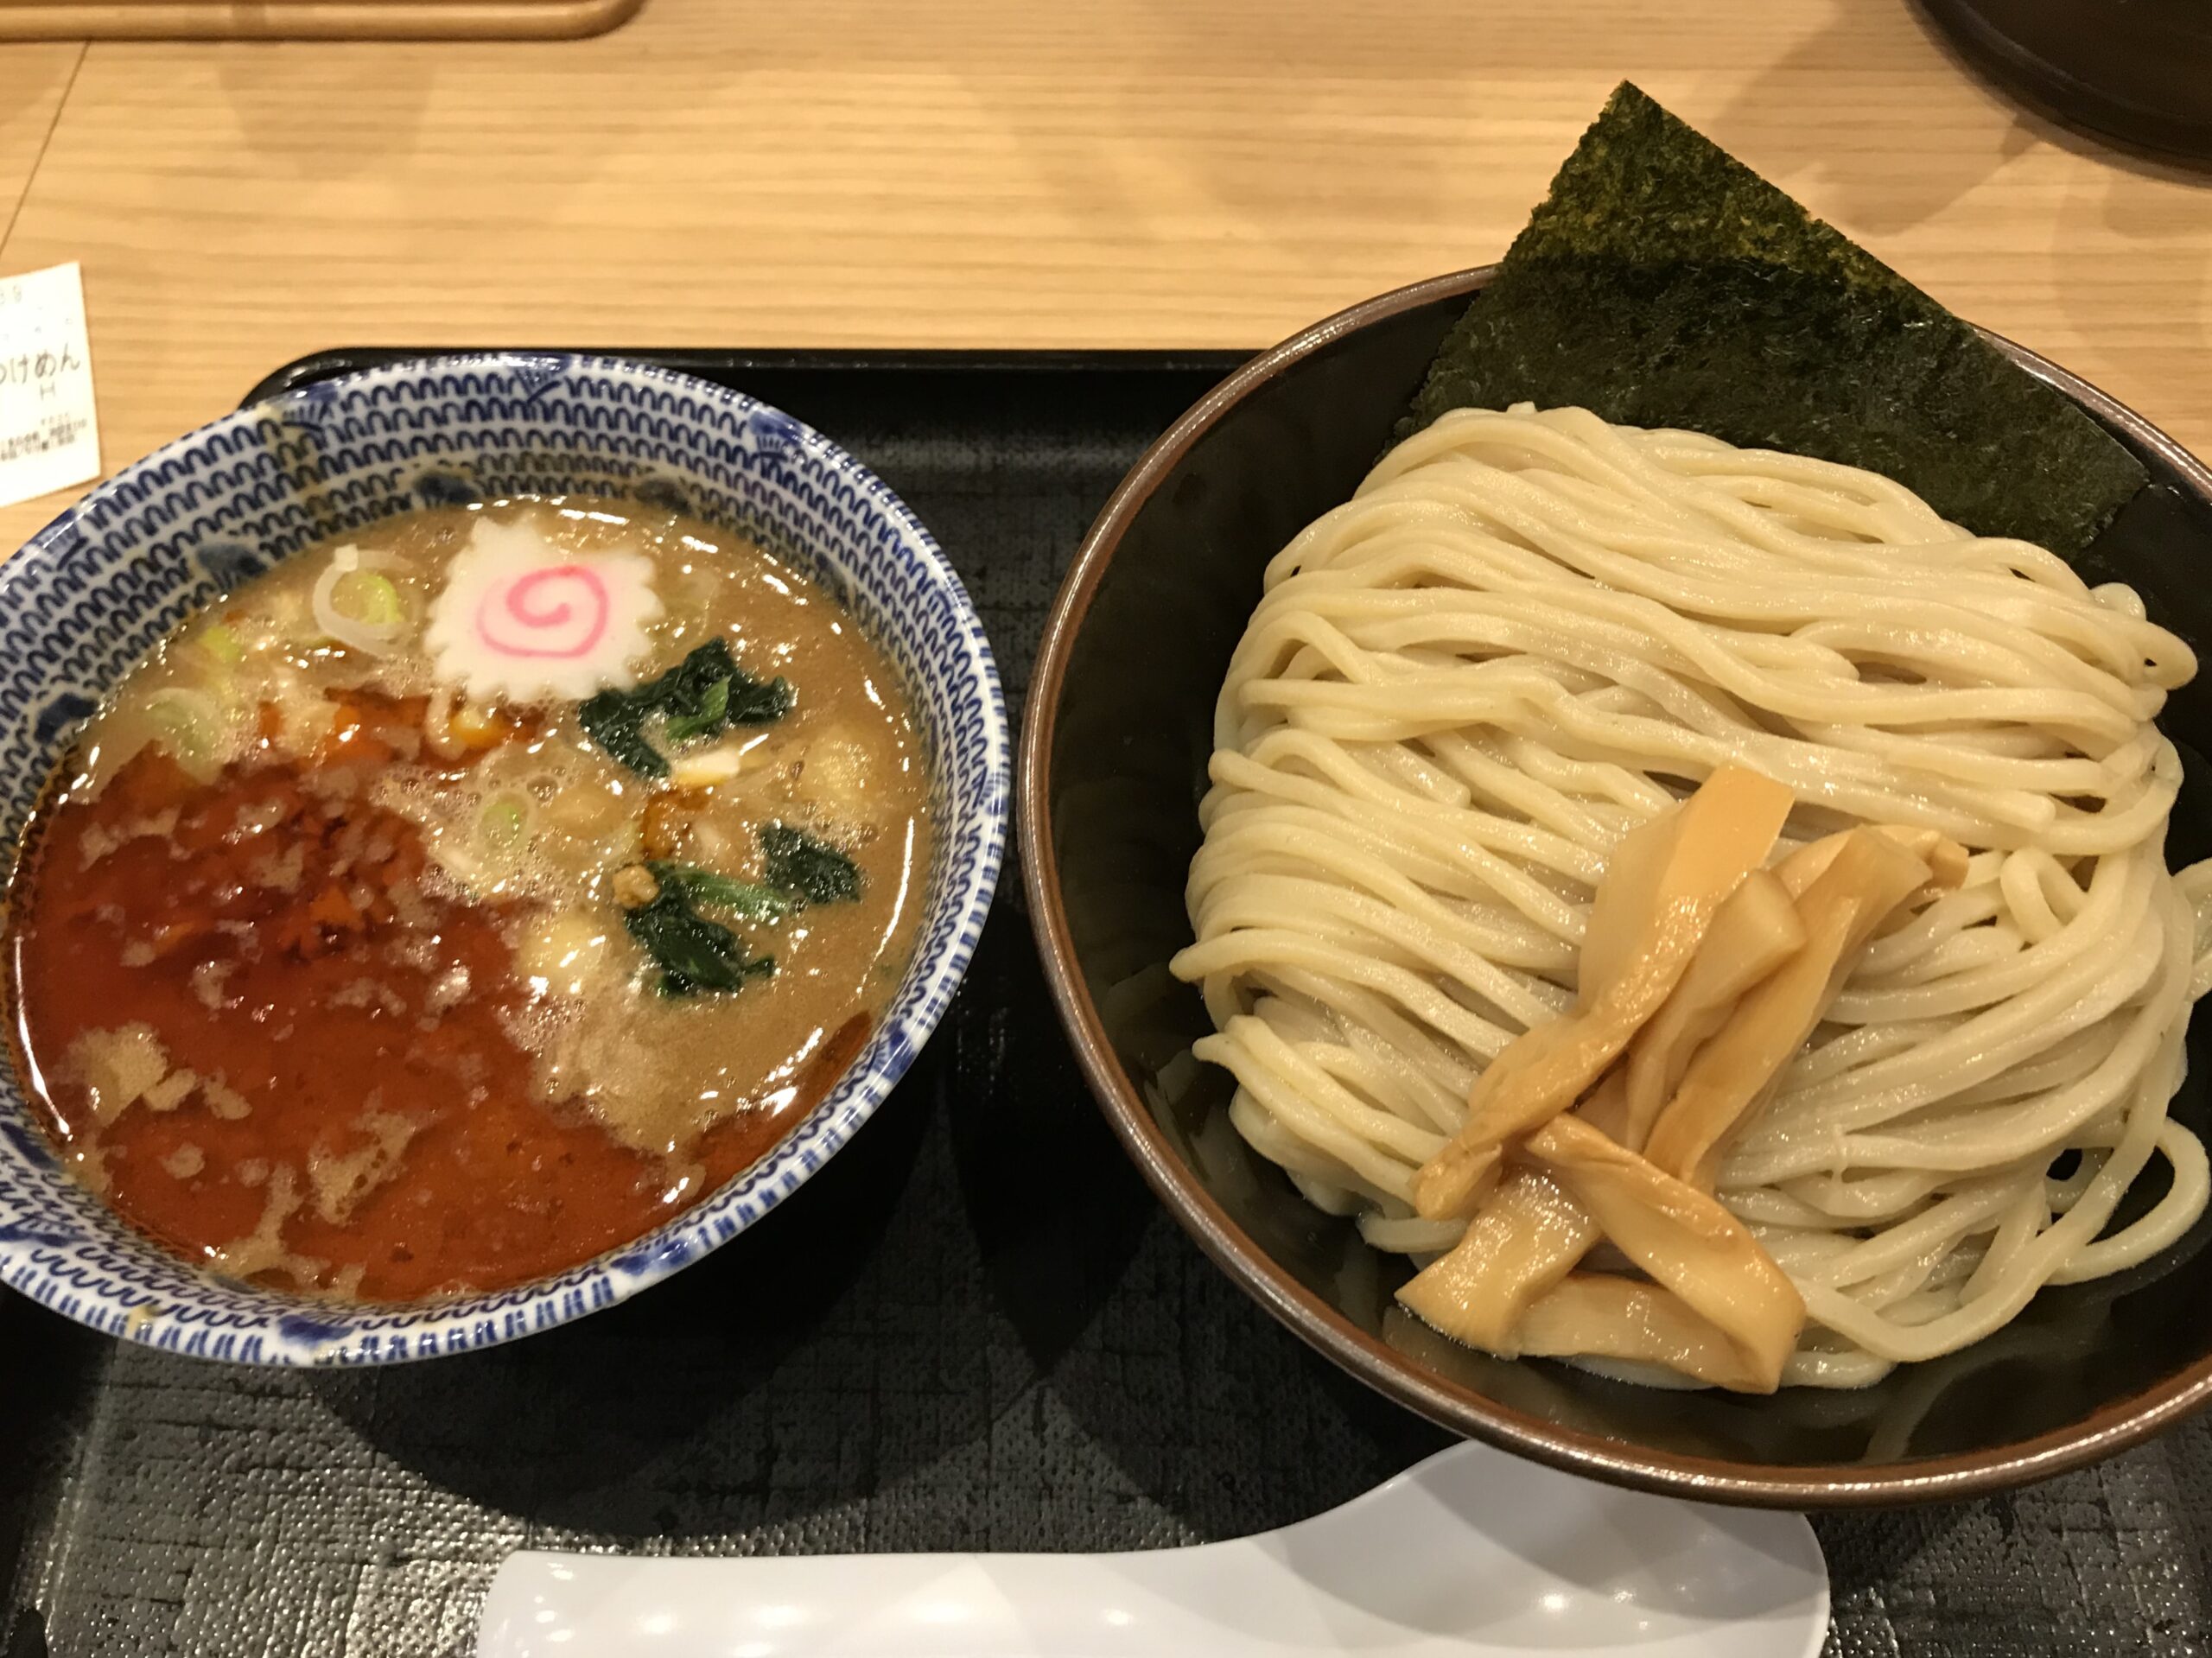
point(974, 1330)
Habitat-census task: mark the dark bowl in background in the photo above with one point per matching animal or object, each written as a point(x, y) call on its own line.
point(1113, 763)
point(2137, 71)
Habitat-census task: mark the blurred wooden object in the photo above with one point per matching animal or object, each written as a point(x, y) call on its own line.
point(1149, 172)
point(304, 20)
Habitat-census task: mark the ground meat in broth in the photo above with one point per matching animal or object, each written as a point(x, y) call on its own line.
point(326, 971)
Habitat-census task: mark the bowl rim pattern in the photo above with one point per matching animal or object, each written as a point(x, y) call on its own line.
point(114, 1280)
point(2113, 1428)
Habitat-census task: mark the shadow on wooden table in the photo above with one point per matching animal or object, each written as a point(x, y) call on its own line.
point(1880, 187)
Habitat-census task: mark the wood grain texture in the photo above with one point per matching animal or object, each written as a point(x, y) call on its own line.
point(301, 20)
point(32, 81)
point(992, 172)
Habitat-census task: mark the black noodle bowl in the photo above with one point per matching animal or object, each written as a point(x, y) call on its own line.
point(1113, 763)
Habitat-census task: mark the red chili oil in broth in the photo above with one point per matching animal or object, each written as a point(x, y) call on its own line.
point(315, 1004)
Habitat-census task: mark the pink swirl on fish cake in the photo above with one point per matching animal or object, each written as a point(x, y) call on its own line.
point(514, 620)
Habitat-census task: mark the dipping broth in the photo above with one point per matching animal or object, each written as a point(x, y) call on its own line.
point(466, 897)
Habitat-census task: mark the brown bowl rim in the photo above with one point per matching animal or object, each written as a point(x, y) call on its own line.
point(2115, 1427)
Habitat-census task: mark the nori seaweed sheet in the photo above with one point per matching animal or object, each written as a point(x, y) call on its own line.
point(1664, 284)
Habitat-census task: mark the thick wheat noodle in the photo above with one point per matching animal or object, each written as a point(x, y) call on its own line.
point(1528, 633)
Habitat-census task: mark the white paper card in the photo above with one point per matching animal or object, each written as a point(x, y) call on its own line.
point(49, 438)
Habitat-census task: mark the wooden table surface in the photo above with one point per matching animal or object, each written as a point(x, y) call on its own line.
point(1001, 172)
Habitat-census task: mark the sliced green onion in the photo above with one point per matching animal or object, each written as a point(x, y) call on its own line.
point(504, 828)
point(369, 599)
point(218, 642)
point(371, 617)
point(188, 725)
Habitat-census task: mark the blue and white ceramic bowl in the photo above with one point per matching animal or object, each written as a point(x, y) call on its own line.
point(102, 583)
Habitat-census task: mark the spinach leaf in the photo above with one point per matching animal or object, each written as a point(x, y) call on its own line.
point(748, 898)
point(683, 690)
point(702, 695)
point(812, 870)
point(615, 721)
point(693, 953)
point(714, 713)
point(759, 702)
